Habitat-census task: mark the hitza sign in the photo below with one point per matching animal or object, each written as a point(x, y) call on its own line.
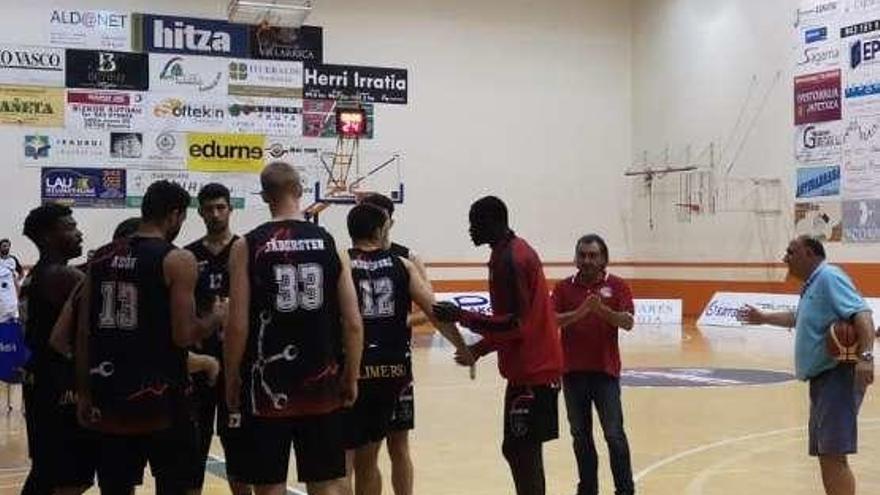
point(170, 34)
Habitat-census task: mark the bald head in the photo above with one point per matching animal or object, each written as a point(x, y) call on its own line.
point(278, 180)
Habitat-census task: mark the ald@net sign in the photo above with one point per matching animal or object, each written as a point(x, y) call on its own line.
point(700, 377)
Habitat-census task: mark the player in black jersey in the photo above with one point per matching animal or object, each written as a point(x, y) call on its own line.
point(63, 454)
point(387, 285)
point(212, 254)
point(136, 318)
point(293, 345)
point(403, 418)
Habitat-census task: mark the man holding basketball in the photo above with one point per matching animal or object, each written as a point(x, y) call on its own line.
point(836, 388)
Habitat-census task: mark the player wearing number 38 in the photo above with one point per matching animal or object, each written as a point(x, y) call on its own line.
point(837, 385)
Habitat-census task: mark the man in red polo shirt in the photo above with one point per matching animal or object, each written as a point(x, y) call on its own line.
point(592, 361)
point(523, 330)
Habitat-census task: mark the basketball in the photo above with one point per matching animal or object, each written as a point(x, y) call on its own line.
point(842, 342)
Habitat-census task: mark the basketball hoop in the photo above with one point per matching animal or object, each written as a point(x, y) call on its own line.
point(283, 13)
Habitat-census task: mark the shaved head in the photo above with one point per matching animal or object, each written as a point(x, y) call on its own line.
point(278, 180)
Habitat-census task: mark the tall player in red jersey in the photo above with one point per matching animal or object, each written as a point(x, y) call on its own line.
point(524, 332)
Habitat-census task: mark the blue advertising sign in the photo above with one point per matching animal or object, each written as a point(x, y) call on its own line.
point(171, 34)
point(84, 187)
point(814, 182)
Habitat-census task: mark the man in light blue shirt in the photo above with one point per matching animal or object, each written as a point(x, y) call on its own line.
point(836, 389)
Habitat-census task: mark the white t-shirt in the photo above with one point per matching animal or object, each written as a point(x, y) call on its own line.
point(8, 294)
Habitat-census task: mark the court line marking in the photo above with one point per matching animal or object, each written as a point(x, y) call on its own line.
point(722, 443)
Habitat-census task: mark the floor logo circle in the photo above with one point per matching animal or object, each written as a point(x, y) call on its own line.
point(700, 377)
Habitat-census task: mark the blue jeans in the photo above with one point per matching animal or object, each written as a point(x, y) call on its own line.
point(582, 389)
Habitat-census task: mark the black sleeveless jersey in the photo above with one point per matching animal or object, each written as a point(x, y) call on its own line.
point(49, 371)
point(213, 282)
point(399, 250)
point(382, 284)
point(294, 351)
point(136, 372)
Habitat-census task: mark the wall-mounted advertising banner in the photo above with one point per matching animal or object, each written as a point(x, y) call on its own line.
point(319, 119)
point(188, 75)
point(267, 78)
point(365, 84)
point(820, 219)
point(165, 150)
point(33, 65)
point(270, 116)
point(657, 311)
point(105, 110)
point(821, 142)
point(815, 182)
point(97, 69)
point(863, 134)
point(84, 187)
point(818, 12)
point(817, 97)
point(64, 148)
point(225, 152)
point(861, 175)
point(32, 106)
point(724, 307)
point(181, 113)
point(189, 35)
point(304, 44)
point(817, 57)
point(861, 220)
point(240, 186)
point(95, 29)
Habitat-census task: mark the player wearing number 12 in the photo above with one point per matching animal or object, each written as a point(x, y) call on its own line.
point(292, 315)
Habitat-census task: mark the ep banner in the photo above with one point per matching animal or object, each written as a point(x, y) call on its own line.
point(366, 84)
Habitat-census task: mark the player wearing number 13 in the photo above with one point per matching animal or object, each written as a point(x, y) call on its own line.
point(137, 316)
point(290, 289)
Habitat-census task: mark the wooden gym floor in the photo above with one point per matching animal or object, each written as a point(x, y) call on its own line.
point(746, 439)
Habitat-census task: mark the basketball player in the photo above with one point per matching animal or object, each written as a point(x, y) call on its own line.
point(136, 318)
point(63, 454)
point(403, 418)
point(524, 332)
point(212, 254)
point(293, 314)
point(387, 285)
point(836, 389)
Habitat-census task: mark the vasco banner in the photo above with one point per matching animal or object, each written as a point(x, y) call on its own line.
point(169, 34)
point(33, 65)
point(84, 187)
point(366, 84)
point(814, 182)
point(96, 29)
point(225, 152)
point(305, 43)
point(31, 106)
point(96, 69)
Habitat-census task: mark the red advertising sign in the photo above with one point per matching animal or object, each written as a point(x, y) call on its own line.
point(817, 97)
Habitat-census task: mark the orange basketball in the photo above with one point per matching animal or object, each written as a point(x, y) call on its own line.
point(842, 342)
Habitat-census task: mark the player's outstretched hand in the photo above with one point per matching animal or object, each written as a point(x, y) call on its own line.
point(446, 311)
point(750, 315)
point(465, 356)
